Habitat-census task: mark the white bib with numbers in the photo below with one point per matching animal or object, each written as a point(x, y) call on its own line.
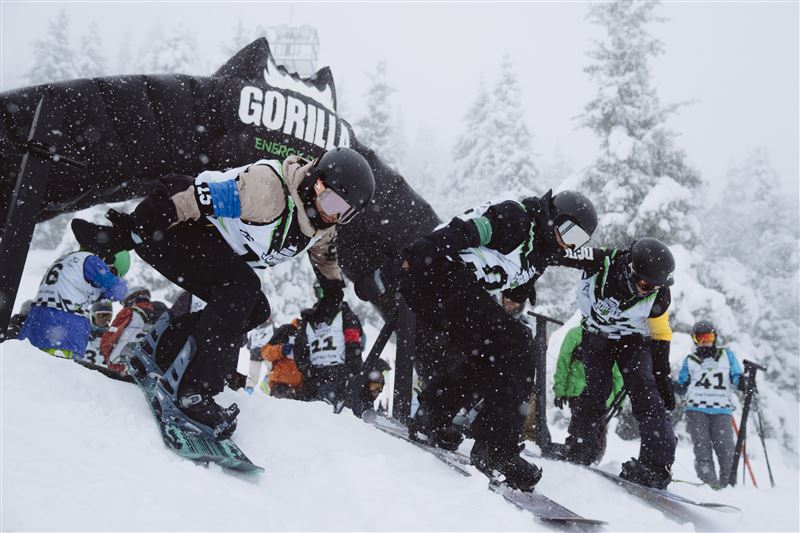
point(709, 382)
point(326, 342)
point(64, 287)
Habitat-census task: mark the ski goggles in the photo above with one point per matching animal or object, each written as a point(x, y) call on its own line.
point(703, 338)
point(645, 286)
point(572, 234)
point(333, 204)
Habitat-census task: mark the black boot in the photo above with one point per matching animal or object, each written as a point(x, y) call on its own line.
point(655, 476)
point(493, 460)
point(580, 451)
point(434, 429)
point(105, 241)
point(199, 405)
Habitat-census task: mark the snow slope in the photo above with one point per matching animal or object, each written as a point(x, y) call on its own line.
point(81, 452)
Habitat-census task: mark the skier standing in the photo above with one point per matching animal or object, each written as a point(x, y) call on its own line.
point(624, 297)
point(205, 234)
point(58, 322)
point(707, 377)
point(450, 278)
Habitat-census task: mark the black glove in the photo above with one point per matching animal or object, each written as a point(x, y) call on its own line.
point(323, 311)
point(559, 401)
point(370, 287)
point(664, 384)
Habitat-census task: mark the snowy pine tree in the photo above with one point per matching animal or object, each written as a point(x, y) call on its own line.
point(240, 37)
point(54, 58)
point(171, 52)
point(124, 61)
point(641, 184)
point(753, 209)
point(493, 155)
point(514, 169)
point(375, 128)
point(90, 61)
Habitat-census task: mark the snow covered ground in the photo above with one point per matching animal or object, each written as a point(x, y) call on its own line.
point(81, 452)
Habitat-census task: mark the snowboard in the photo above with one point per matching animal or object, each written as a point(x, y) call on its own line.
point(663, 499)
point(186, 443)
point(534, 503)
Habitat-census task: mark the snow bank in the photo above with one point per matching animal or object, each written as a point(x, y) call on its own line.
point(81, 452)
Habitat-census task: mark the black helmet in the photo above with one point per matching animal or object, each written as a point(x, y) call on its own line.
point(102, 306)
point(575, 217)
point(652, 262)
point(347, 173)
point(703, 326)
point(136, 294)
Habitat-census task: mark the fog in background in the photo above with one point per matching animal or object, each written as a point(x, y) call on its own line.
point(737, 62)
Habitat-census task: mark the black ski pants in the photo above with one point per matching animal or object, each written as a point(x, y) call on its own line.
point(632, 355)
point(498, 366)
point(194, 256)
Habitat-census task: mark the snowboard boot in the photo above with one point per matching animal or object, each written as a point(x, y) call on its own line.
point(434, 429)
point(654, 476)
point(493, 461)
point(580, 451)
point(199, 406)
point(105, 241)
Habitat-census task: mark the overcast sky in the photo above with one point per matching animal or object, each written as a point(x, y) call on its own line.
point(738, 60)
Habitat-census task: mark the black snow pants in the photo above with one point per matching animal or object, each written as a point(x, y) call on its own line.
point(194, 256)
point(498, 366)
point(632, 355)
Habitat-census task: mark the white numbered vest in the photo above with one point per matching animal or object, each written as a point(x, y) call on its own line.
point(64, 287)
point(609, 316)
point(709, 381)
point(497, 271)
point(259, 337)
point(135, 331)
point(92, 353)
point(261, 245)
point(326, 342)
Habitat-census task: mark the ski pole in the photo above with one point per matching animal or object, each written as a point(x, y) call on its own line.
point(744, 453)
point(615, 406)
point(763, 444)
point(750, 372)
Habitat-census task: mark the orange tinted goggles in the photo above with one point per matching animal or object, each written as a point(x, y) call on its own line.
point(699, 338)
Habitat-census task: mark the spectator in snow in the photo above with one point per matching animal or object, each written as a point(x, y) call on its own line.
point(707, 378)
point(284, 379)
point(130, 325)
point(59, 319)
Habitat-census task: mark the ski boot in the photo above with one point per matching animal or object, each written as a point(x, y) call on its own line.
point(494, 461)
point(657, 477)
point(428, 428)
point(579, 451)
point(193, 409)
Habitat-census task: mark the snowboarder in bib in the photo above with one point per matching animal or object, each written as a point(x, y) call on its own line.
point(207, 234)
point(624, 297)
point(707, 378)
point(327, 351)
point(59, 321)
point(450, 282)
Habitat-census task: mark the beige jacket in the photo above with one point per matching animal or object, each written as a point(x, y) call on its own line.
point(262, 200)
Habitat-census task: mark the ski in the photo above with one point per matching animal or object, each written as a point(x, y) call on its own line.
point(663, 499)
point(185, 443)
point(534, 503)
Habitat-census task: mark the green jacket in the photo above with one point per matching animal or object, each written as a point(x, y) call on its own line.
point(570, 378)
